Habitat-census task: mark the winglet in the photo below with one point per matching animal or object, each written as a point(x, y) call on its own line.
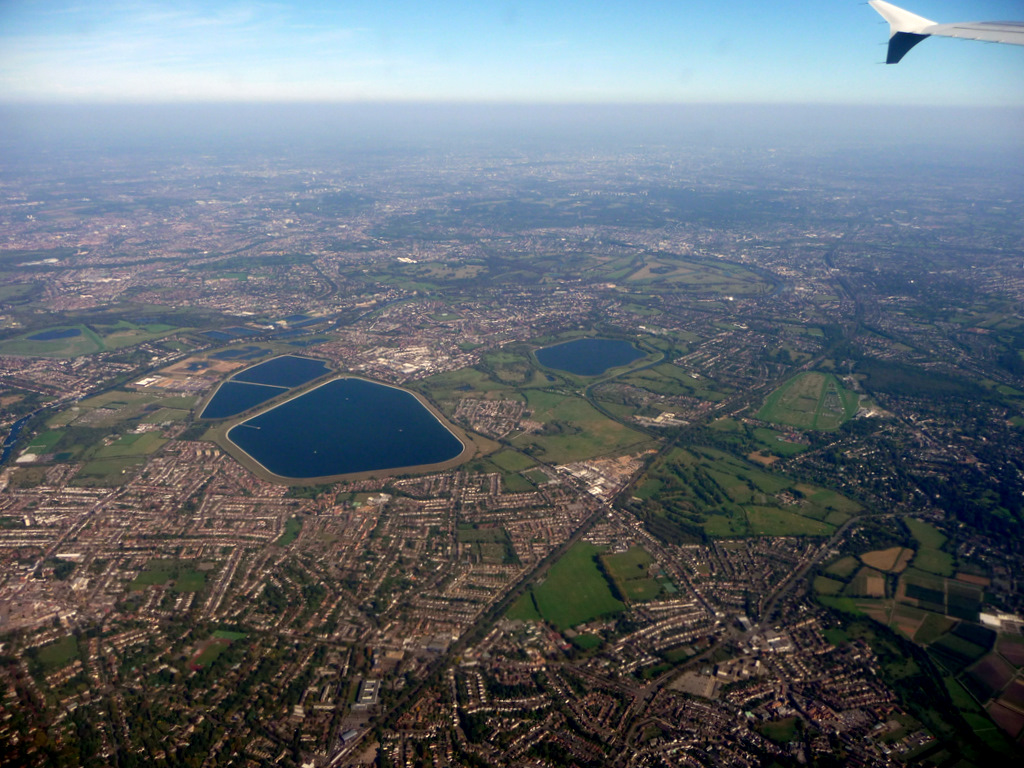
point(906, 29)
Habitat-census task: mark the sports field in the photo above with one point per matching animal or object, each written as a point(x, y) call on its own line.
point(810, 400)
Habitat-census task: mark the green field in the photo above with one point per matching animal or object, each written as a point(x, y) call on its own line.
point(45, 442)
point(575, 591)
point(934, 561)
point(781, 731)
point(810, 400)
point(774, 442)
point(844, 567)
point(158, 572)
point(574, 431)
point(88, 341)
point(119, 407)
point(927, 535)
point(768, 521)
point(827, 586)
point(671, 272)
point(488, 543)
point(671, 380)
point(511, 461)
point(131, 445)
point(58, 654)
point(930, 556)
point(105, 473)
point(524, 609)
point(631, 573)
point(702, 491)
point(292, 526)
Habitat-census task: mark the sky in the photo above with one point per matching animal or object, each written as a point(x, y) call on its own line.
point(526, 51)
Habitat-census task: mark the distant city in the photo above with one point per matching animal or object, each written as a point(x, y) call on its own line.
point(637, 449)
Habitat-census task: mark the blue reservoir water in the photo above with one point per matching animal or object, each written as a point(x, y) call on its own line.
point(234, 397)
point(60, 333)
point(284, 371)
point(240, 353)
point(344, 426)
point(588, 357)
point(263, 382)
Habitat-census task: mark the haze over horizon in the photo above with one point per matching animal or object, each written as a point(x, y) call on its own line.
point(661, 53)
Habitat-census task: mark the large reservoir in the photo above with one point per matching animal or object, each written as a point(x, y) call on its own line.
point(588, 357)
point(346, 426)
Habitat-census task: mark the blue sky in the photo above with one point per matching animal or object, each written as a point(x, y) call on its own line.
point(730, 51)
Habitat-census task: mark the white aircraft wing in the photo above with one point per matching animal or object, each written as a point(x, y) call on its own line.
point(907, 29)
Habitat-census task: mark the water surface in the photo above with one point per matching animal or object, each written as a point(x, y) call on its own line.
point(588, 357)
point(345, 426)
point(61, 333)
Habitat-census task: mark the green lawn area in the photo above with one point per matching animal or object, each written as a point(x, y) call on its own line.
point(45, 442)
point(105, 473)
point(58, 654)
point(726, 495)
point(575, 591)
point(188, 580)
point(161, 571)
point(524, 609)
point(511, 461)
point(671, 380)
point(210, 653)
point(135, 444)
point(829, 499)
point(630, 571)
point(224, 634)
point(780, 731)
point(586, 642)
point(165, 414)
point(472, 533)
point(932, 628)
point(726, 525)
point(292, 527)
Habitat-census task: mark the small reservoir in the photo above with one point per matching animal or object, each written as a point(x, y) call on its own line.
point(588, 357)
point(346, 426)
point(59, 333)
point(260, 383)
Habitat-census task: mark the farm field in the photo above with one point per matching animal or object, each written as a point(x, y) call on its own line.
point(930, 557)
point(892, 560)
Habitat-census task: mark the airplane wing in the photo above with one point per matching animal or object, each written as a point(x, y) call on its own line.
point(907, 29)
